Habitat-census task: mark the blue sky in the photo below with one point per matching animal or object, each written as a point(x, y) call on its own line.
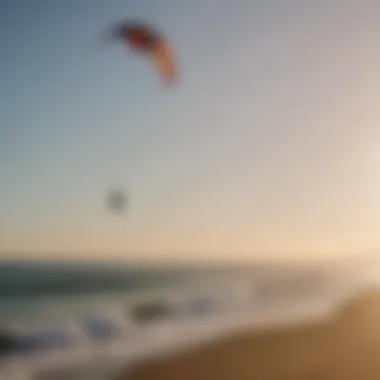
point(269, 145)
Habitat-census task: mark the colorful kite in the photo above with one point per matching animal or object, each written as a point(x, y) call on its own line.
point(143, 39)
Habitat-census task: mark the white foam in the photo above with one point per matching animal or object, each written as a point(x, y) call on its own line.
point(228, 309)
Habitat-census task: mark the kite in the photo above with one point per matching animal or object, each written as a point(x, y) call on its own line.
point(145, 40)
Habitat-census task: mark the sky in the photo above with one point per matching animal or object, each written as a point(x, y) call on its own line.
point(269, 147)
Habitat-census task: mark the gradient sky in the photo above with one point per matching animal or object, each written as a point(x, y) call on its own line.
point(270, 146)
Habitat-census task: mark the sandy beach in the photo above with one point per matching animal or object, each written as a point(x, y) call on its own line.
point(346, 347)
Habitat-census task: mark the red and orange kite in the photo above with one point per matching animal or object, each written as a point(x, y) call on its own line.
point(145, 40)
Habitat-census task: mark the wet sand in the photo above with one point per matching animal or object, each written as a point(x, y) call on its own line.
point(347, 347)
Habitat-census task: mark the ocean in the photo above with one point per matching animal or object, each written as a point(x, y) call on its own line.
point(90, 320)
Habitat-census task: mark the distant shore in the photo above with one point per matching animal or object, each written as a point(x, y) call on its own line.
point(347, 347)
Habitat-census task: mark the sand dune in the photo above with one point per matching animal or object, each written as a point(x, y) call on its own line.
point(347, 347)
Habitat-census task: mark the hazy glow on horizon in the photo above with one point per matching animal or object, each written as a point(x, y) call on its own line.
point(270, 145)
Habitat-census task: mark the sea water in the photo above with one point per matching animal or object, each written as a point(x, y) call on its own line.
point(74, 321)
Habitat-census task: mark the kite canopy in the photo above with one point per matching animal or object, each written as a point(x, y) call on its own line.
point(137, 35)
point(144, 39)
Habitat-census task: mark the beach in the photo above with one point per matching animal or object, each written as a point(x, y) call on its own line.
point(211, 319)
point(346, 347)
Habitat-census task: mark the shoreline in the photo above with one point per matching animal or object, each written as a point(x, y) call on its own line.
point(344, 346)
